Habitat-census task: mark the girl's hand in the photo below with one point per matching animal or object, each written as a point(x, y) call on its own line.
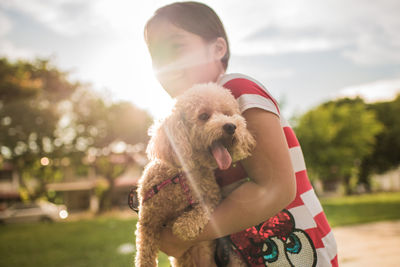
point(172, 245)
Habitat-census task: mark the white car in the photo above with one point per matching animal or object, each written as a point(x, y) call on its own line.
point(30, 212)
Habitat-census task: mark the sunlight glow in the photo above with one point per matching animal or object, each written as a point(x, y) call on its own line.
point(122, 68)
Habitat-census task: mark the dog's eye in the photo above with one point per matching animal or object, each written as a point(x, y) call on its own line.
point(204, 116)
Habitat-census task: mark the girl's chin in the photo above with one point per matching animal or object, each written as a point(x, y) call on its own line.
point(176, 90)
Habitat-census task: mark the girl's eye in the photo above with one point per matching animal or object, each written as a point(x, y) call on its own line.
point(204, 116)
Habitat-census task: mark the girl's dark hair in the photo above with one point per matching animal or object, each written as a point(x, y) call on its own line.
point(193, 17)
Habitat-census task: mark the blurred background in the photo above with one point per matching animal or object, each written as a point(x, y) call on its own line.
point(77, 95)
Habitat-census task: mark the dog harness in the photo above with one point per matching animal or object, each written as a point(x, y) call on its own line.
point(179, 178)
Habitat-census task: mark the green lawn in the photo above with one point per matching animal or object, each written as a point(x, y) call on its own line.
point(362, 209)
point(95, 242)
point(68, 244)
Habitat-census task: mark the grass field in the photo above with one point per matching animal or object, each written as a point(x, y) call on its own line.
point(362, 209)
point(96, 242)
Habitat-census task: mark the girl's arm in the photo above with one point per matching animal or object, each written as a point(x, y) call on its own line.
point(271, 189)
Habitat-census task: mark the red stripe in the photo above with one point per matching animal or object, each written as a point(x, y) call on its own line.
point(334, 262)
point(302, 182)
point(296, 202)
point(303, 185)
point(290, 137)
point(322, 223)
point(315, 236)
point(241, 86)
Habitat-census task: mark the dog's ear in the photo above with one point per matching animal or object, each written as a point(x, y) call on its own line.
point(170, 141)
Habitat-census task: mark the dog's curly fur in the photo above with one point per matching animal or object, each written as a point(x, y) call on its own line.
point(181, 143)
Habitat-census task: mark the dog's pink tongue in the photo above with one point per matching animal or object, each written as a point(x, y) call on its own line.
point(221, 155)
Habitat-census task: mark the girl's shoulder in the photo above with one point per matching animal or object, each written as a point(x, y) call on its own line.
point(249, 92)
point(229, 77)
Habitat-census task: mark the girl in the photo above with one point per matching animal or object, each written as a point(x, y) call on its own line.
point(273, 217)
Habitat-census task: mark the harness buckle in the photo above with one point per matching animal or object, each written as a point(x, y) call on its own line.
point(133, 200)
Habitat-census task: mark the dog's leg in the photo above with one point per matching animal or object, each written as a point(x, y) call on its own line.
point(189, 225)
point(146, 245)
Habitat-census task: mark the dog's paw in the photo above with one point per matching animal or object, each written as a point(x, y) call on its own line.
point(185, 228)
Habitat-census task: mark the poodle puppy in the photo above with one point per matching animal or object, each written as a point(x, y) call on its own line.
point(178, 189)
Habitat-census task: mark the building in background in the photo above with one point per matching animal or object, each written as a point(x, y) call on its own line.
point(9, 185)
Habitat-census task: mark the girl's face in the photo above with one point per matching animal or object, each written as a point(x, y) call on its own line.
point(181, 59)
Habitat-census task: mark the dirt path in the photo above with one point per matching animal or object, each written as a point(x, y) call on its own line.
point(373, 244)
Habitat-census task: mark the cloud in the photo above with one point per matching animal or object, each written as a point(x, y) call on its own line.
point(7, 48)
point(280, 45)
point(366, 32)
point(5, 24)
point(76, 17)
point(375, 49)
point(380, 90)
point(11, 51)
point(66, 17)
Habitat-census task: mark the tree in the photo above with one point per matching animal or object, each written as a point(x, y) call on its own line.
point(101, 129)
point(29, 96)
point(335, 137)
point(48, 122)
point(386, 152)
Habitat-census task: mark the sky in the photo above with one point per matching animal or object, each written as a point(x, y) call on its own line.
point(305, 52)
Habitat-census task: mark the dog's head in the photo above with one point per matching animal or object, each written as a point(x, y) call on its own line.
point(204, 129)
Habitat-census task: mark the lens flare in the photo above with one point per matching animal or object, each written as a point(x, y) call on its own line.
point(195, 58)
point(45, 161)
point(63, 214)
point(191, 180)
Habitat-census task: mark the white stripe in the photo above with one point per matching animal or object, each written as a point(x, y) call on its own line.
point(303, 219)
point(311, 201)
point(330, 245)
point(247, 101)
point(284, 122)
point(323, 258)
point(297, 159)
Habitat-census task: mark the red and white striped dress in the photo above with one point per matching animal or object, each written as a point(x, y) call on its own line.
point(300, 235)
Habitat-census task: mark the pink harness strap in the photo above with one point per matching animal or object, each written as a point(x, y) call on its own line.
point(181, 178)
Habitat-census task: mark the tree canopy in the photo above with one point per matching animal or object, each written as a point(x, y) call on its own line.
point(336, 136)
point(386, 152)
point(44, 115)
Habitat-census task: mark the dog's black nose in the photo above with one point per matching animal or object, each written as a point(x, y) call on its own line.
point(229, 128)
